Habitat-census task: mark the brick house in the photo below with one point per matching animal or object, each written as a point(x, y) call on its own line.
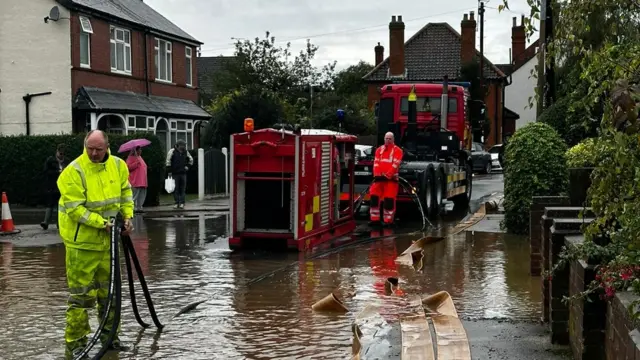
point(524, 60)
point(434, 51)
point(115, 65)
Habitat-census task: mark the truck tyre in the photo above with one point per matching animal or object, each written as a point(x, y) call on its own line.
point(427, 192)
point(462, 201)
point(439, 190)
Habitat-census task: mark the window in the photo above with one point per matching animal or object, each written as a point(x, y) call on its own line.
point(120, 50)
point(85, 41)
point(163, 60)
point(429, 105)
point(140, 123)
point(182, 129)
point(188, 65)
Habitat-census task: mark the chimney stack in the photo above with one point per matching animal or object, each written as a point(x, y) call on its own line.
point(518, 41)
point(379, 50)
point(468, 35)
point(396, 47)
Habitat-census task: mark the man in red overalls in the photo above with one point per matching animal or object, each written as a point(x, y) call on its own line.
point(384, 189)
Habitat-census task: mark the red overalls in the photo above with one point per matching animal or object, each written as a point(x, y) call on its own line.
point(385, 174)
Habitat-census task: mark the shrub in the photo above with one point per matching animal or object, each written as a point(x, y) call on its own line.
point(22, 163)
point(535, 166)
point(570, 119)
point(583, 154)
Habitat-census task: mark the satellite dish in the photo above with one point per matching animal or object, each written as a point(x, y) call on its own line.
point(54, 14)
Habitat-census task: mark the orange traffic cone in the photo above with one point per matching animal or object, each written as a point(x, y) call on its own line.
point(7, 220)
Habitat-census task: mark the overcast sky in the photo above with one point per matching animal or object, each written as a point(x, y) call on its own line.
point(344, 30)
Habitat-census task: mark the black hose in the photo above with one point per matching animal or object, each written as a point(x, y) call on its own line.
point(132, 290)
point(130, 251)
point(115, 293)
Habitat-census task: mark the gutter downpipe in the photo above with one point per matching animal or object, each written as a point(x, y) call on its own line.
point(146, 62)
point(27, 100)
point(508, 81)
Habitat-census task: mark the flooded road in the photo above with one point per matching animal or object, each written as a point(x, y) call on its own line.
point(187, 260)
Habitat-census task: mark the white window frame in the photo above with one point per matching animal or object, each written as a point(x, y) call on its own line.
point(168, 57)
point(149, 125)
point(125, 46)
point(188, 54)
point(86, 29)
point(186, 134)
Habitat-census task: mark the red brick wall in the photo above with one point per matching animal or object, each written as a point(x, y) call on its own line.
point(373, 94)
point(100, 75)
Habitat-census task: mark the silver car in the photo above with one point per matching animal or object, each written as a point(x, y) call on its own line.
point(495, 151)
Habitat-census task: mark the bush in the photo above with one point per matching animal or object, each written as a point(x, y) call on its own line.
point(22, 163)
point(583, 154)
point(535, 166)
point(570, 119)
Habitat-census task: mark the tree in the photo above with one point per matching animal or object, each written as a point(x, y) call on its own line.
point(229, 112)
point(261, 63)
point(349, 81)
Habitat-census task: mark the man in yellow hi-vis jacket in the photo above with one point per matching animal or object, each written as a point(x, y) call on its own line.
point(94, 187)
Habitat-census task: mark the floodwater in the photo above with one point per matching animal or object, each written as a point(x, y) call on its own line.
point(188, 260)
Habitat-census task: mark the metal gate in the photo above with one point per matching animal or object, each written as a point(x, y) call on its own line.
point(214, 172)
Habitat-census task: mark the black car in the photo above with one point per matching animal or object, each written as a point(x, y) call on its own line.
point(481, 159)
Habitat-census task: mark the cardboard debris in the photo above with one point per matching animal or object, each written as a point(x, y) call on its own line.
point(330, 303)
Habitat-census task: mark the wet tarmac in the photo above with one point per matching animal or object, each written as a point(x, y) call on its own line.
point(249, 316)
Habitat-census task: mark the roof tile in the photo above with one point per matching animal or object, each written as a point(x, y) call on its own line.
point(134, 11)
point(431, 53)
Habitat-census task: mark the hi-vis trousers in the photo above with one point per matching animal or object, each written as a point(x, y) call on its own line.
point(383, 195)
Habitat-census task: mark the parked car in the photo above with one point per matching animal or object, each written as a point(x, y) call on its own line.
point(363, 151)
point(496, 152)
point(481, 159)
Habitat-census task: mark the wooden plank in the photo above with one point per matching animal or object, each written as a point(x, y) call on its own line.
point(451, 338)
point(440, 303)
point(416, 339)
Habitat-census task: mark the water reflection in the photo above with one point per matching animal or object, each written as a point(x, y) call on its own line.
point(187, 259)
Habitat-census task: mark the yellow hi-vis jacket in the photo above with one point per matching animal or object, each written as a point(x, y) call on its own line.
point(91, 193)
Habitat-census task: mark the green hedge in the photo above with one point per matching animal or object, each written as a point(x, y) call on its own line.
point(535, 166)
point(22, 162)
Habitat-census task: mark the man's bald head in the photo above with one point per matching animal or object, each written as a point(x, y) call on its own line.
point(96, 143)
point(389, 138)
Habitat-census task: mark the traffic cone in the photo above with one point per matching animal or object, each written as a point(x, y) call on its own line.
point(7, 220)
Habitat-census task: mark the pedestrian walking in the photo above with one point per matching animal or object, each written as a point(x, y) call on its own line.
point(137, 177)
point(178, 163)
point(53, 166)
point(93, 188)
point(384, 189)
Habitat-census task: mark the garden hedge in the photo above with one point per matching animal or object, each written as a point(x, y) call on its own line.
point(22, 163)
point(535, 166)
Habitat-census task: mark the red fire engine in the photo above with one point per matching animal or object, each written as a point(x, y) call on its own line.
point(285, 186)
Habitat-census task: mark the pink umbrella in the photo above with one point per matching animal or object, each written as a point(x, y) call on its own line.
point(132, 144)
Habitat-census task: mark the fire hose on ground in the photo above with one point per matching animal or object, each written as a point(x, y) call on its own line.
point(114, 297)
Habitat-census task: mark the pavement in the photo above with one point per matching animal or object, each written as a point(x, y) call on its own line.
point(509, 340)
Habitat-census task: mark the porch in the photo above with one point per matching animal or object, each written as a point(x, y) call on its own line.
point(119, 112)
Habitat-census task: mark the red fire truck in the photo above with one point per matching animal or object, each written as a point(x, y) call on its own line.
point(436, 141)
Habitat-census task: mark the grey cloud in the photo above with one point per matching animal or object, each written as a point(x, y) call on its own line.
point(344, 30)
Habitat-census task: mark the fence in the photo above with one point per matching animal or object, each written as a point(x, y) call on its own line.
point(213, 179)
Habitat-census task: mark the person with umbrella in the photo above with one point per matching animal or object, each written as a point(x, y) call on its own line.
point(137, 170)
